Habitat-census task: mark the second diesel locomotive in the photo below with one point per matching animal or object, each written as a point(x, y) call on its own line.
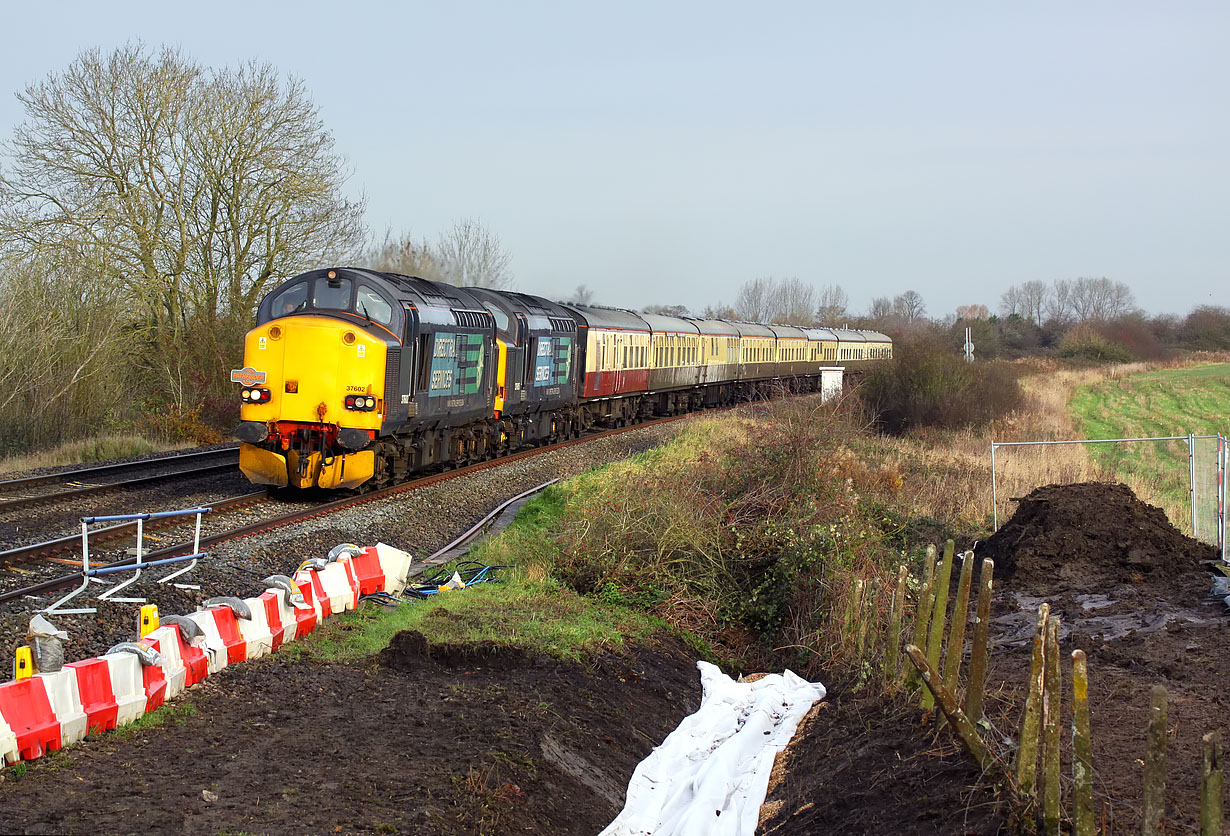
point(354, 378)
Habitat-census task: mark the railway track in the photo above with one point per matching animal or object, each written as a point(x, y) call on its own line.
point(74, 484)
point(52, 549)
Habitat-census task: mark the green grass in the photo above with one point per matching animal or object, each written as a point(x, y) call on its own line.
point(527, 610)
point(1170, 402)
point(167, 713)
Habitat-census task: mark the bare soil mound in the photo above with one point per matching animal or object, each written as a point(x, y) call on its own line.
point(1097, 536)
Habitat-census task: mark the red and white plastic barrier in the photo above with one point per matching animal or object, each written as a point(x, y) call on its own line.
point(65, 703)
point(49, 710)
point(8, 745)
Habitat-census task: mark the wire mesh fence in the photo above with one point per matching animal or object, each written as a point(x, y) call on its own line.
point(1184, 475)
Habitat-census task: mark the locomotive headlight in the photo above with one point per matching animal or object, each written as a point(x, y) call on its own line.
point(371, 403)
point(246, 394)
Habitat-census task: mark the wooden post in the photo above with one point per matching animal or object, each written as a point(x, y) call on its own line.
point(867, 629)
point(1051, 738)
point(936, 640)
point(929, 566)
point(1154, 809)
point(859, 627)
point(922, 618)
point(948, 704)
point(956, 633)
point(892, 646)
point(1082, 748)
point(1210, 786)
point(1027, 751)
point(978, 656)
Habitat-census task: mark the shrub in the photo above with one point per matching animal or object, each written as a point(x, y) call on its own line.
point(1086, 343)
point(927, 384)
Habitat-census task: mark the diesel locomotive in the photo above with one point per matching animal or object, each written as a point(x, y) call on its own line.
point(354, 378)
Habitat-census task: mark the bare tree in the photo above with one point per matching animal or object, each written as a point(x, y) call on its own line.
point(405, 255)
point(881, 308)
point(1059, 306)
point(971, 312)
point(1033, 296)
point(755, 301)
point(666, 310)
point(190, 189)
point(719, 311)
point(269, 188)
point(67, 380)
point(795, 303)
point(1097, 300)
point(909, 306)
point(832, 305)
point(473, 256)
point(200, 186)
point(1010, 303)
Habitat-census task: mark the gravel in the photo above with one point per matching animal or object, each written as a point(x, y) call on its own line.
point(419, 521)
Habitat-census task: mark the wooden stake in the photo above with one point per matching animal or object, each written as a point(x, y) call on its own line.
point(978, 655)
point(1027, 751)
point(1051, 738)
point(892, 644)
point(1210, 786)
point(936, 640)
point(866, 626)
point(922, 618)
point(1082, 748)
point(860, 622)
point(948, 704)
point(1155, 766)
point(956, 633)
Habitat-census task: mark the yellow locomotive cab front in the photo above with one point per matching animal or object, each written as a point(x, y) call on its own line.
point(312, 395)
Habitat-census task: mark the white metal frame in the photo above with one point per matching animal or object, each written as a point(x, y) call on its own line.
point(1190, 439)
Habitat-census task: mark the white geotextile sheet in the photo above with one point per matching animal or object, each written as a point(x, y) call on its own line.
point(710, 775)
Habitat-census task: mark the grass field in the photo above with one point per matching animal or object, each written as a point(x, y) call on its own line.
point(1167, 402)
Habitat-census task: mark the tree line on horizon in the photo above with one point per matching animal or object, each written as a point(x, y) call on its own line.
point(148, 203)
point(1093, 319)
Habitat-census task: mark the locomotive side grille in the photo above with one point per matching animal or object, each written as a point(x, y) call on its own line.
point(563, 324)
point(392, 379)
point(473, 319)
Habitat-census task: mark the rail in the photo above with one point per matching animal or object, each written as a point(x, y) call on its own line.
point(135, 567)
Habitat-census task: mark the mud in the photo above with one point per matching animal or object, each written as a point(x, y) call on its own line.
point(423, 740)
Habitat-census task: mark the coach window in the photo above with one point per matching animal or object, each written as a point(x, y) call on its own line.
point(332, 293)
point(372, 305)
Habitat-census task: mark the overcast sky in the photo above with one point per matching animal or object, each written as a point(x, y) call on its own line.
point(664, 153)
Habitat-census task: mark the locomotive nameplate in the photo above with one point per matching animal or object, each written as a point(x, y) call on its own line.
point(247, 376)
point(455, 403)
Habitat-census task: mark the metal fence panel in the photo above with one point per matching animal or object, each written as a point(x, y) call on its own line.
point(1206, 489)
